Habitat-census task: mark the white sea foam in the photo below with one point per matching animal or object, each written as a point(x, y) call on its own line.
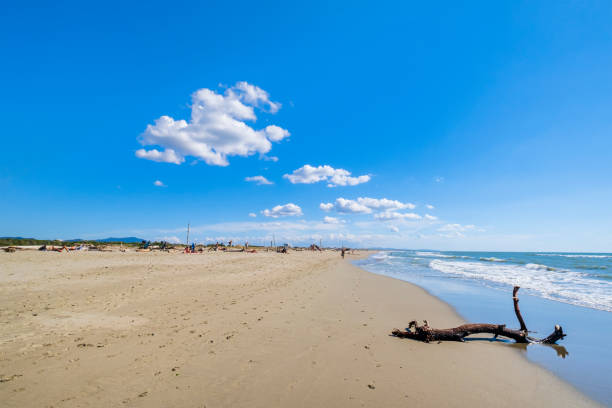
point(380, 256)
point(434, 254)
point(564, 286)
point(577, 255)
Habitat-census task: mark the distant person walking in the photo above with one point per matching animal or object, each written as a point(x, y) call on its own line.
point(342, 253)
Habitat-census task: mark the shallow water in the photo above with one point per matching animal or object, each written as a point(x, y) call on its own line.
point(573, 290)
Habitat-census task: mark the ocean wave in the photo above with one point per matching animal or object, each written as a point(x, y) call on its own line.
point(492, 259)
point(590, 267)
point(434, 254)
point(564, 286)
point(383, 257)
point(539, 267)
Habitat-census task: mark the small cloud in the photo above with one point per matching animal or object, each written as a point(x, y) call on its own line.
point(439, 179)
point(333, 220)
point(260, 180)
point(252, 215)
point(165, 156)
point(287, 210)
point(457, 227)
point(343, 205)
point(394, 215)
point(326, 206)
point(457, 230)
point(308, 174)
point(269, 158)
point(393, 228)
point(159, 183)
point(430, 217)
point(364, 205)
point(276, 133)
point(429, 206)
point(384, 203)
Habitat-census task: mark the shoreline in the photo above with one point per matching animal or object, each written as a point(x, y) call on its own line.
point(463, 320)
point(303, 329)
point(579, 360)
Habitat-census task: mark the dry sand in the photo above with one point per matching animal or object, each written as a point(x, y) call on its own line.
point(232, 330)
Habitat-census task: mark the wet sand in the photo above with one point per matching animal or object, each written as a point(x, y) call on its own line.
point(258, 330)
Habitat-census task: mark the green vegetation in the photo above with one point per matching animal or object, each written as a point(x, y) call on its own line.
point(54, 242)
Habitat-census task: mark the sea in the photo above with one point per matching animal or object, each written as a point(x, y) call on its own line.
point(573, 290)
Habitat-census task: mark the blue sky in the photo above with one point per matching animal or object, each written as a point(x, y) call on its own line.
point(497, 115)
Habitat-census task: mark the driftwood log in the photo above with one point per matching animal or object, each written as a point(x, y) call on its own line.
point(427, 334)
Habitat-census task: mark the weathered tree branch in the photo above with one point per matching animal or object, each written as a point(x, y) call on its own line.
point(517, 311)
point(427, 334)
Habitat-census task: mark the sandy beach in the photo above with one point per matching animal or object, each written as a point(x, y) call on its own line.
point(304, 329)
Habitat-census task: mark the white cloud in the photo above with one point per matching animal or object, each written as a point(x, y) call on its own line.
point(342, 205)
point(429, 206)
point(252, 215)
point(456, 227)
point(457, 230)
point(430, 217)
point(364, 205)
point(393, 228)
point(332, 220)
point(276, 133)
point(260, 180)
point(217, 128)
point(308, 174)
point(393, 215)
point(438, 179)
point(255, 96)
point(287, 210)
point(159, 183)
point(383, 203)
point(326, 206)
point(166, 156)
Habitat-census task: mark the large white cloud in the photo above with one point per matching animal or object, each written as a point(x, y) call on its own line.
point(308, 174)
point(217, 128)
point(287, 210)
point(364, 205)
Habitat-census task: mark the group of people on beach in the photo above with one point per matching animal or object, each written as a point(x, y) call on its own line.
point(219, 246)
